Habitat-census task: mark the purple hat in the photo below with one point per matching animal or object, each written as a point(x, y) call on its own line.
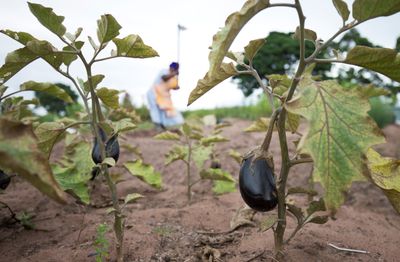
point(174, 65)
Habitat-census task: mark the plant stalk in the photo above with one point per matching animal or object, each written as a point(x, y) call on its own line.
point(189, 176)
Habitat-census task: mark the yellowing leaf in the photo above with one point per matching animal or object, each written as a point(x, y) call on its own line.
point(252, 48)
point(216, 174)
point(206, 141)
point(308, 34)
point(260, 125)
point(167, 135)
point(209, 81)
point(108, 96)
point(293, 122)
point(144, 172)
point(382, 60)
point(48, 18)
point(132, 197)
point(384, 172)
point(133, 46)
point(223, 187)
point(339, 133)
point(176, 153)
point(49, 133)
point(367, 9)
point(123, 125)
point(19, 153)
point(200, 154)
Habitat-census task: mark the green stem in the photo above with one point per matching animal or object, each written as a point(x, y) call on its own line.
point(268, 136)
point(189, 176)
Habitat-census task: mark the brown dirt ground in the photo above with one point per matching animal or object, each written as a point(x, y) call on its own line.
point(162, 227)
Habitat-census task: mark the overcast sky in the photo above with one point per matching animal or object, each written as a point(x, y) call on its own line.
point(156, 22)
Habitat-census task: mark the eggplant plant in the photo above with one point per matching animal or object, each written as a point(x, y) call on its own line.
point(339, 133)
point(26, 145)
point(194, 148)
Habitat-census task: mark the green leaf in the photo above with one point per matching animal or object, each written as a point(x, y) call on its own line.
point(253, 47)
point(48, 88)
point(279, 83)
point(384, 172)
point(236, 156)
point(132, 197)
point(176, 153)
point(186, 129)
point(373, 91)
point(260, 125)
point(233, 24)
point(316, 206)
point(382, 60)
point(339, 133)
point(20, 154)
point(216, 174)
point(297, 212)
point(48, 18)
point(209, 81)
point(107, 28)
point(69, 58)
point(317, 219)
point(96, 80)
point(206, 141)
point(40, 47)
point(49, 133)
point(200, 154)
point(3, 89)
point(223, 187)
point(123, 125)
point(133, 46)
point(21, 37)
point(74, 172)
point(144, 172)
point(167, 135)
point(342, 9)
point(15, 61)
point(367, 9)
point(108, 96)
point(308, 34)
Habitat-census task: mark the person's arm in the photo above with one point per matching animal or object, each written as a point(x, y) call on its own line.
point(169, 76)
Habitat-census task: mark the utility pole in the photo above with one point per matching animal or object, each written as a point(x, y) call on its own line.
point(180, 28)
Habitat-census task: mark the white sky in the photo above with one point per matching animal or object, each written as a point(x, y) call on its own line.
point(156, 22)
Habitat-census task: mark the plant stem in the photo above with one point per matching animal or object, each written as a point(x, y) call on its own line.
point(268, 136)
point(285, 160)
point(13, 93)
point(118, 218)
point(188, 164)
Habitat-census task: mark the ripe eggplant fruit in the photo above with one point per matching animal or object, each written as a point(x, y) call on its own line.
point(4, 180)
point(257, 184)
point(215, 165)
point(111, 146)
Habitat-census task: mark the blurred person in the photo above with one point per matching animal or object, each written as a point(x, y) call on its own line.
point(162, 111)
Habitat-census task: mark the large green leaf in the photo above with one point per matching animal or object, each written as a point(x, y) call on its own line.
point(48, 18)
point(382, 60)
point(233, 24)
point(145, 172)
point(69, 58)
point(339, 133)
point(367, 9)
point(74, 172)
point(19, 153)
point(107, 28)
point(133, 46)
point(49, 133)
point(123, 125)
point(108, 96)
point(342, 9)
point(384, 172)
point(208, 82)
point(223, 187)
point(48, 88)
point(200, 154)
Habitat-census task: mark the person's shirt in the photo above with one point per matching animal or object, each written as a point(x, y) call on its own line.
point(159, 79)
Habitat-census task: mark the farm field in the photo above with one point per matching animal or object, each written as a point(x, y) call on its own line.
point(161, 226)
